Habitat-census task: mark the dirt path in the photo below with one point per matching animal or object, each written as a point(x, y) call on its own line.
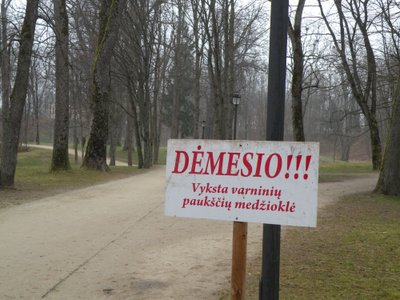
point(112, 241)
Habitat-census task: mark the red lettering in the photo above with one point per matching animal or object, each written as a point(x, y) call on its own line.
point(196, 162)
point(233, 163)
point(177, 161)
point(258, 167)
point(247, 164)
point(229, 163)
point(211, 165)
point(278, 165)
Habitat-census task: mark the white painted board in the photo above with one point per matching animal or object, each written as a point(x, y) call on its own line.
point(249, 181)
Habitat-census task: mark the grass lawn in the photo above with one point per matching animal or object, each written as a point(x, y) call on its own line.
point(340, 170)
point(353, 254)
point(345, 167)
point(34, 181)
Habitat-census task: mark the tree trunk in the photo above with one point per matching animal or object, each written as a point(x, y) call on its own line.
point(345, 146)
point(376, 145)
point(13, 107)
point(229, 66)
point(134, 116)
point(112, 140)
point(221, 65)
point(27, 111)
point(297, 74)
point(129, 137)
point(113, 150)
point(83, 144)
point(138, 138)
point(197, 67)
point(177, 89)
point(36, 111)
point(76, 145)
point(220, 113)
point(75, 127)
point(60, 158)
point(389, 177)
point(156, 96)
point(145, 113)
point(96, 151)
point(215, 73)
point(155, 122)
point(5, 56)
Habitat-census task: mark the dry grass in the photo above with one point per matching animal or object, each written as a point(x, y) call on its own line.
point(354, 253)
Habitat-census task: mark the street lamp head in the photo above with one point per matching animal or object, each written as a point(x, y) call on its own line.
point(236, 98)
point(203, 127)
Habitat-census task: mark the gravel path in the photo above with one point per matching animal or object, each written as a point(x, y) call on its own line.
point(112, 241)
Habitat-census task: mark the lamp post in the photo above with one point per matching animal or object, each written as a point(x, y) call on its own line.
point(235, 101)
point(203, 126)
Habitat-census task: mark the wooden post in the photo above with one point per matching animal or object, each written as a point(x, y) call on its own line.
point(239, 239)
point(239, 250)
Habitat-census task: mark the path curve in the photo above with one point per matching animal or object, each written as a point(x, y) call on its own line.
point(112, 241)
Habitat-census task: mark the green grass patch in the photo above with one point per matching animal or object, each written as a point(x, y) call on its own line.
point(352, 254)
point(122, 155)
point(345, 167)
point(162, 156)
point(34, 180)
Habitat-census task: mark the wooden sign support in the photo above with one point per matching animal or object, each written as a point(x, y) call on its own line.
point(239, 252)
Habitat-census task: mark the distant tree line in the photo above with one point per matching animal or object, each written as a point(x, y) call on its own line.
point(107, 73)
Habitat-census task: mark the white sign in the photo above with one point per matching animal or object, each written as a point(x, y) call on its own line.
point(248, 181)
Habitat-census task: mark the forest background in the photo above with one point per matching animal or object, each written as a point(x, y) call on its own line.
point(109, 73)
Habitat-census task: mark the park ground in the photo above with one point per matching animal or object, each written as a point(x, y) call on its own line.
point(65, 238)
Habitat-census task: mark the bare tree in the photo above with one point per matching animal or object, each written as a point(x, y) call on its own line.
point(83, 32)
point(160, 63)
point(177, 100)
point(353, 27)
point(221, 48)
point(5, 56)
point(115, 125)
point(60, 158)
point(294, 31)
point(389, 177)
point(198, 46)
point(141, 68)
point(109, 16)
point(13, 107)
